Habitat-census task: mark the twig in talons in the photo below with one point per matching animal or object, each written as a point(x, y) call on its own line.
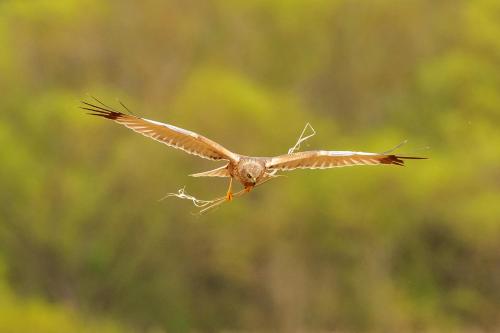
point(220, 201)
point(208, 205)
point(215, 204)
point(199, 203)
point(181, 194)
point(303, 137)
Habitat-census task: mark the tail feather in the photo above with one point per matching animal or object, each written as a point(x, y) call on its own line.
point(219, 172)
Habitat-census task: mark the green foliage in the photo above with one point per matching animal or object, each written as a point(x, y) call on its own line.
point(36, 315)
point(87, 246)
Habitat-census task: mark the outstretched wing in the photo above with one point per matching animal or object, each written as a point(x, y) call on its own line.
point(170, 135)
point(321, 159)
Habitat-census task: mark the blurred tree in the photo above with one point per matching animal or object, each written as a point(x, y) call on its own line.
point(84, 239)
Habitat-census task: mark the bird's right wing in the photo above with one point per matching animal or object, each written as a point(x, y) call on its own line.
point(170, 135)
point(321, 159)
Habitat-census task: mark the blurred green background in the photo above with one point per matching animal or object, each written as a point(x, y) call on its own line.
point(85, 246)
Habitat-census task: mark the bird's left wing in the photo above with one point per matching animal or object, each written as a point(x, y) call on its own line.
point(190, 142)
point(322, 159)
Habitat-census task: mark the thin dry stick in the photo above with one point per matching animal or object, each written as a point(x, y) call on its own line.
point(181, 194)
point(302, 138)
point(397, 147)
point(208, 205)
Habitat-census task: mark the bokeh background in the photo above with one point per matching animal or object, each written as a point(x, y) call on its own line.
point(85, 245)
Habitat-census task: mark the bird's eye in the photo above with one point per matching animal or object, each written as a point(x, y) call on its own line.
point(249, 175)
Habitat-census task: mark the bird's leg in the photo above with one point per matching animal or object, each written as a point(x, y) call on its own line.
point(229, 195)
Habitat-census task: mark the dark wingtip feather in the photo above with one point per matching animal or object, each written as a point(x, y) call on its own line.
point(96, 110)
point(399, 160)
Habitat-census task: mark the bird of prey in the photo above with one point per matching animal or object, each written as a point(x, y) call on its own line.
point(249, 171)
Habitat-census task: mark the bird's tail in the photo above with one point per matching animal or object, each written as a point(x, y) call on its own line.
point(219, 172)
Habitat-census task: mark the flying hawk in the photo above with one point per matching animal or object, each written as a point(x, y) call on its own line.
point(249, 171)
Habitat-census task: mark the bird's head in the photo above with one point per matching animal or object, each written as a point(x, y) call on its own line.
point(251, 172)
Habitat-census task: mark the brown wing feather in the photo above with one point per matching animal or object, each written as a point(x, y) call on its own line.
point(170, 135)
point(320, 159)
